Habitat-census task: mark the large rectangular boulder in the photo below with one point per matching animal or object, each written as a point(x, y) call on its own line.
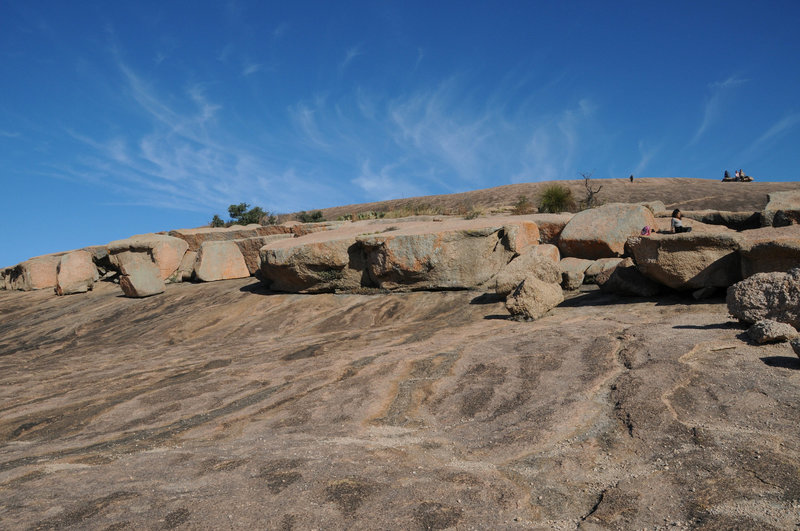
point(76, 273)
point(397, 255)
point(770, 249)
point(688, 261)
point(453, 254)
point(313, 264)
point(219, 260)
point(165, 252)
point(251, 249)
point(140, 276)
point(602, 232)
point(783, 208)
point(40, 272)
point(550, 226)
point(732, 220)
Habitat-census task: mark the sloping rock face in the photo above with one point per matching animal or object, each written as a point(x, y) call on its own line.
point(220, 260)
point(166, 252)
point(783, 208)
point(40, 272)
point(76, 273)
point(534, 298)
point(221, 406)
point(602, 232)
point(625, 279)
point(770, 249)
point(540, 260)
point(773, 296)
point(195, 237)
point(688, 261)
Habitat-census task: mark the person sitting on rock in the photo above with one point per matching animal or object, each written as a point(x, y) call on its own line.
point(677, 224)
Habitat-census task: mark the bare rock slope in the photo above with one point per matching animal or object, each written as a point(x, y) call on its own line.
point(222, 406)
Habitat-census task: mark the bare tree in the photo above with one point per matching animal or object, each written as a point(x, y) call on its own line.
point(590, 192)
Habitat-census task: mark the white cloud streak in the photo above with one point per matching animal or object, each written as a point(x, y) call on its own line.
point(646, 155)
point(715, 103)
point(351, 54)
point(775, 131)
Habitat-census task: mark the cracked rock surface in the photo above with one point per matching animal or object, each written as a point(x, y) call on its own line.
point(223, 406)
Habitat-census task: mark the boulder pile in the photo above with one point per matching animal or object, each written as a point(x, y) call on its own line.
point(529, 260)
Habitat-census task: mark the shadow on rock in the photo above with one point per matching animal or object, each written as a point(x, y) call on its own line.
point(782, 362)
point(713, 326)
point(487, 298)
point(257, 288)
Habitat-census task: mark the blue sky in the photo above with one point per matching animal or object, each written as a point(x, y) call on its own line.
point(119, 118)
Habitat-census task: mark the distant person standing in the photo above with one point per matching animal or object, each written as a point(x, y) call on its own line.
point(677, 224)
point(631, 177)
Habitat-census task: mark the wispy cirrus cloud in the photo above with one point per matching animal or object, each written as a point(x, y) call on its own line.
point(251, 68)
point(714, 104)
point(184, 157)
point(775, 131)
point(189, 151)
point(351, 54)
point(645, 156)
point(550, 151)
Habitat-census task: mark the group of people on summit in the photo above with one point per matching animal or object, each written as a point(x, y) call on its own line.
point(740, 177)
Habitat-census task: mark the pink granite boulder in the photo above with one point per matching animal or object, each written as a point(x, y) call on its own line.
point(76, 273)
point(220, 260)
point(602, 232)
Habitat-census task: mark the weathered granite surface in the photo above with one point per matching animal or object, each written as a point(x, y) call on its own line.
point(218, 406)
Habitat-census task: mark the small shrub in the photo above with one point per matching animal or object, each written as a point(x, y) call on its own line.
point(310, 217)
point(242, 214)
point(421, 209)
point(473, 214)
point(555, 198)
point(522, 206)
point(371, 215)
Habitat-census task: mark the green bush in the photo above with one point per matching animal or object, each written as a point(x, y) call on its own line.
point(310, 217)
point(556, 198)
point(242, 214)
